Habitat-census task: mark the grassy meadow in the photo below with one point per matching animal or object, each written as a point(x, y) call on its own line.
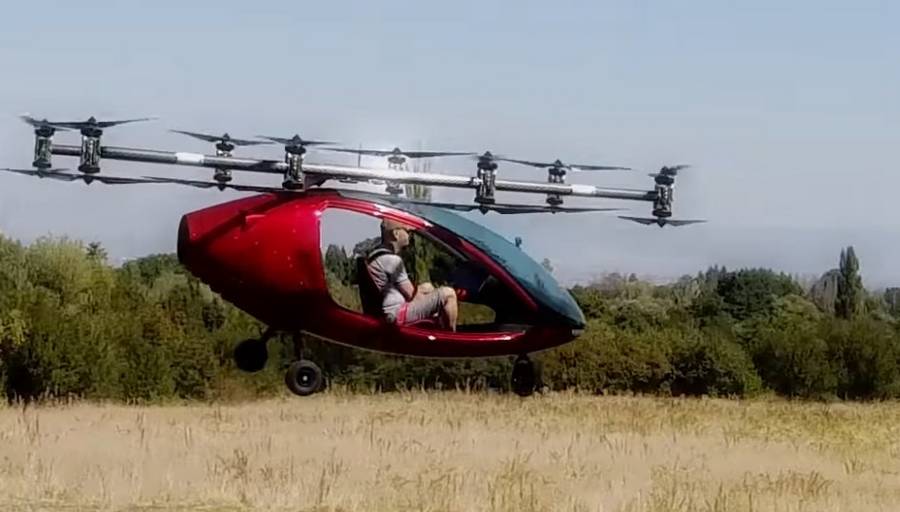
point(453, 451)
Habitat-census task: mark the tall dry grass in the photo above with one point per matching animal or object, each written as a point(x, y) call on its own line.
point(453, 451)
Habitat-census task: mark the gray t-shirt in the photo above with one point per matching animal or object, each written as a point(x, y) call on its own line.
point(389, 273)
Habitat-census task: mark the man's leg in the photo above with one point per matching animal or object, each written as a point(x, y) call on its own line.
point(441, 302)
point(450, 308)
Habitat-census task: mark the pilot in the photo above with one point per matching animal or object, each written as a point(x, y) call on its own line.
point(401, 302)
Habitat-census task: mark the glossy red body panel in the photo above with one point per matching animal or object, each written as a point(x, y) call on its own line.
point(262, 254)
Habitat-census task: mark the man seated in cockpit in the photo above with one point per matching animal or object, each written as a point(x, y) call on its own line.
point(401, 302)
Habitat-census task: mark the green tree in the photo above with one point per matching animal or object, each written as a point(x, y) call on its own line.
point(96, 252)
point(338, 263)
point(866, 354)
point(850, 290)
point(789, 350)
point(750, 292)
point(892, 301)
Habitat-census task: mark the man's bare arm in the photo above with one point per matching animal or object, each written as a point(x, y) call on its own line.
point(407, 289)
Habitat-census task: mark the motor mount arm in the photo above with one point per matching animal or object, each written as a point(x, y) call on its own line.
point(356, 173)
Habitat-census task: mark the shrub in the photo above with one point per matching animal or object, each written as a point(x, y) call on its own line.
point(710, 363)
point(789, 350)
point(609, 359)
point(866, 355)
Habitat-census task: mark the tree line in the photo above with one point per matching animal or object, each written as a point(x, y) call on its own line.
point(72, 325)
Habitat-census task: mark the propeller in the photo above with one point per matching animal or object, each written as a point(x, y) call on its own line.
point(61, 175)
point(429, 154)
point(661, 221)
point(43, 123)
point(398, 152)
point(296, 140)
point(220, 186)
point(91, 122)
point(517, 208)
point(669, 171)
point(499, 207)
point(221, 138)
point(41, 173)
point(560, 165)
point(487, 158)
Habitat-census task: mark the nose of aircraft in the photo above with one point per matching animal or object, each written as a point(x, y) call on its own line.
point(211, 242)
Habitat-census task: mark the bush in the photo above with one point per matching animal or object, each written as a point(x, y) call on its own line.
point(711, 363)
point(72, 325)
point(608, 359)
point(751, 292)
point(866, 355)
point(789, 350)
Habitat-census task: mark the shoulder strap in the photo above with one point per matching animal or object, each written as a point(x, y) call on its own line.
point(379, 251)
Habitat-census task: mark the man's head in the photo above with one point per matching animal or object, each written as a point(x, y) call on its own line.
point(395, 234)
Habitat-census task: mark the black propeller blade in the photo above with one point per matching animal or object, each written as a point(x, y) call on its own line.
point(429, 154)
point(487, 156)
point(561, 165)
point(669, 171)
point(296, 140)
point(213, 184)
point(61, 175)
point(661, 221)
point(514, 209)
point(92, 122)
point(32, 172)
point(369, 152)
point(221, 138)
point(500, 208)
point(398, 152)
point(43, 123)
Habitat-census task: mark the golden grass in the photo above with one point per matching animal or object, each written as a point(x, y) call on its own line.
point(453, 451)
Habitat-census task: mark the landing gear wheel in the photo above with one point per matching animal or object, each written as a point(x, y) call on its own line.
point(251, 355)
point(523, 376)
point(303, 378)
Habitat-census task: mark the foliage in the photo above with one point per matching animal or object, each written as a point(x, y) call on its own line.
point(750, 292)
point(849, 287)
point(866, 353)
point(72, 325)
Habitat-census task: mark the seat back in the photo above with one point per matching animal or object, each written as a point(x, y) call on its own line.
point(369, 294)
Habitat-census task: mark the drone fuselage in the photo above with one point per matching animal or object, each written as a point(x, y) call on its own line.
point(263, 254)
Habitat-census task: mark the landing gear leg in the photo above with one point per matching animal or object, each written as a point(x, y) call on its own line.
point(303, 377)
point(251, 355)
point(523, 376)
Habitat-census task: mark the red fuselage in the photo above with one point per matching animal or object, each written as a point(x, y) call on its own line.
point(263, 254)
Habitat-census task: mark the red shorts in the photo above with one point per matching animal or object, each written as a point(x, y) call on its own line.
point(420, 308)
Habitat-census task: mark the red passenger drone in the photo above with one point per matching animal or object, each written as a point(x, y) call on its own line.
point(262, 253)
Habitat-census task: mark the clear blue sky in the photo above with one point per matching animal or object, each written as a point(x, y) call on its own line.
point(789, 111)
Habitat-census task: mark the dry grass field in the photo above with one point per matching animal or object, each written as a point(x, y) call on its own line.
point(453, 451)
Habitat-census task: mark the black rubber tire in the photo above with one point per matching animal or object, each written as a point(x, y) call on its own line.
point(303, 378)
point(523, 377)
point(251, 355)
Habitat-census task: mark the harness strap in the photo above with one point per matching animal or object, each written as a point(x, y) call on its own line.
point(379, 251)
point(372, 256)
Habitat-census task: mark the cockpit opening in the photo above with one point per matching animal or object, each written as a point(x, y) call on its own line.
point(347, 238)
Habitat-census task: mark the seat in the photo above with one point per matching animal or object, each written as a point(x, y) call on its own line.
point(369, 295)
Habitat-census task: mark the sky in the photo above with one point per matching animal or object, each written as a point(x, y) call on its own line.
point(789, 113)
